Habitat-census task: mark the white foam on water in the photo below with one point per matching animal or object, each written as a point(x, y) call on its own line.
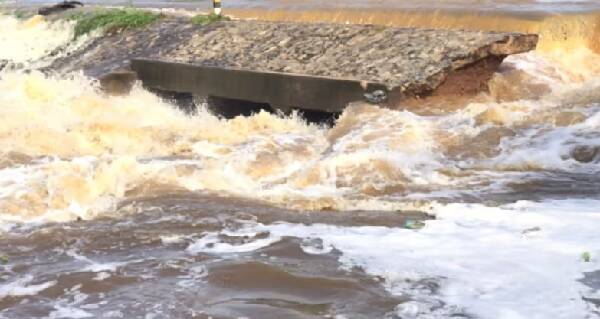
point(73, 304)
point(69, 312)
point(23, 287)
point(212, 243)
point(102, 275)
point(94, 266)
point(372, 159)
point(29, 40)
point(312, 247)
point(521, 260)
point(36, 42)
point(551, 149)
point(173, 239)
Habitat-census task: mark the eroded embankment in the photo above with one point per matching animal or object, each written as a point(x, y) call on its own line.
point(565, 39)
point(569, 41)
point(408, 62)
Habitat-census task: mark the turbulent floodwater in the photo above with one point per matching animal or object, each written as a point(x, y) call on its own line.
point(125, 207)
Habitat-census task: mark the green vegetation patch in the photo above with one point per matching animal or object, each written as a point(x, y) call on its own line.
point(208, 19)
point(22, 15)
point(113, 20)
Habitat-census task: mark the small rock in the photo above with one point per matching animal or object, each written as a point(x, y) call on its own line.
point(531, 230)
point(376, 97)
point(586, 153)
point(59, 7)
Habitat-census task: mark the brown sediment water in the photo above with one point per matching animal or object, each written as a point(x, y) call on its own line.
point(125, 207)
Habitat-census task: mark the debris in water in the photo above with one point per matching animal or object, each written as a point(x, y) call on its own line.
point(376, 97)
point(414, 224)
point(531, 230)
point(59, 7)
point(586, 256)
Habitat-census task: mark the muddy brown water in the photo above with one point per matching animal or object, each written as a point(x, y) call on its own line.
point(128, 267)
point(124, 207)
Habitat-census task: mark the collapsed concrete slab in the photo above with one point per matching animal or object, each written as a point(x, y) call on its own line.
point(282, 91)
point(413, 60)
point(326, 66)
point(307, 66)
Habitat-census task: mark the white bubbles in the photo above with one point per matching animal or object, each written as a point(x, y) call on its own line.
point(36, 42)
point(24, 286)
point(70, 151)
point(472, 259)
point(77, 152)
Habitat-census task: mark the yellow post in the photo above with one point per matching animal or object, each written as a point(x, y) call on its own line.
point(217, 7)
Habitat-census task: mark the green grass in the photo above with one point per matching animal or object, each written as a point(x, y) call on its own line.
point(18, 13)
point(208, 19)
point(22, 15)
point(112, 20)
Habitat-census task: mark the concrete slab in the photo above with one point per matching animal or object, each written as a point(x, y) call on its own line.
point(321, 67)
point(282, 91)
point(414, 61)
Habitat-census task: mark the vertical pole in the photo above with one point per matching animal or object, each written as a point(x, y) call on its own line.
point(217, 7)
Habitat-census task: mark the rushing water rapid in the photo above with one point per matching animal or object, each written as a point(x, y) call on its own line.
point(125, 207)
